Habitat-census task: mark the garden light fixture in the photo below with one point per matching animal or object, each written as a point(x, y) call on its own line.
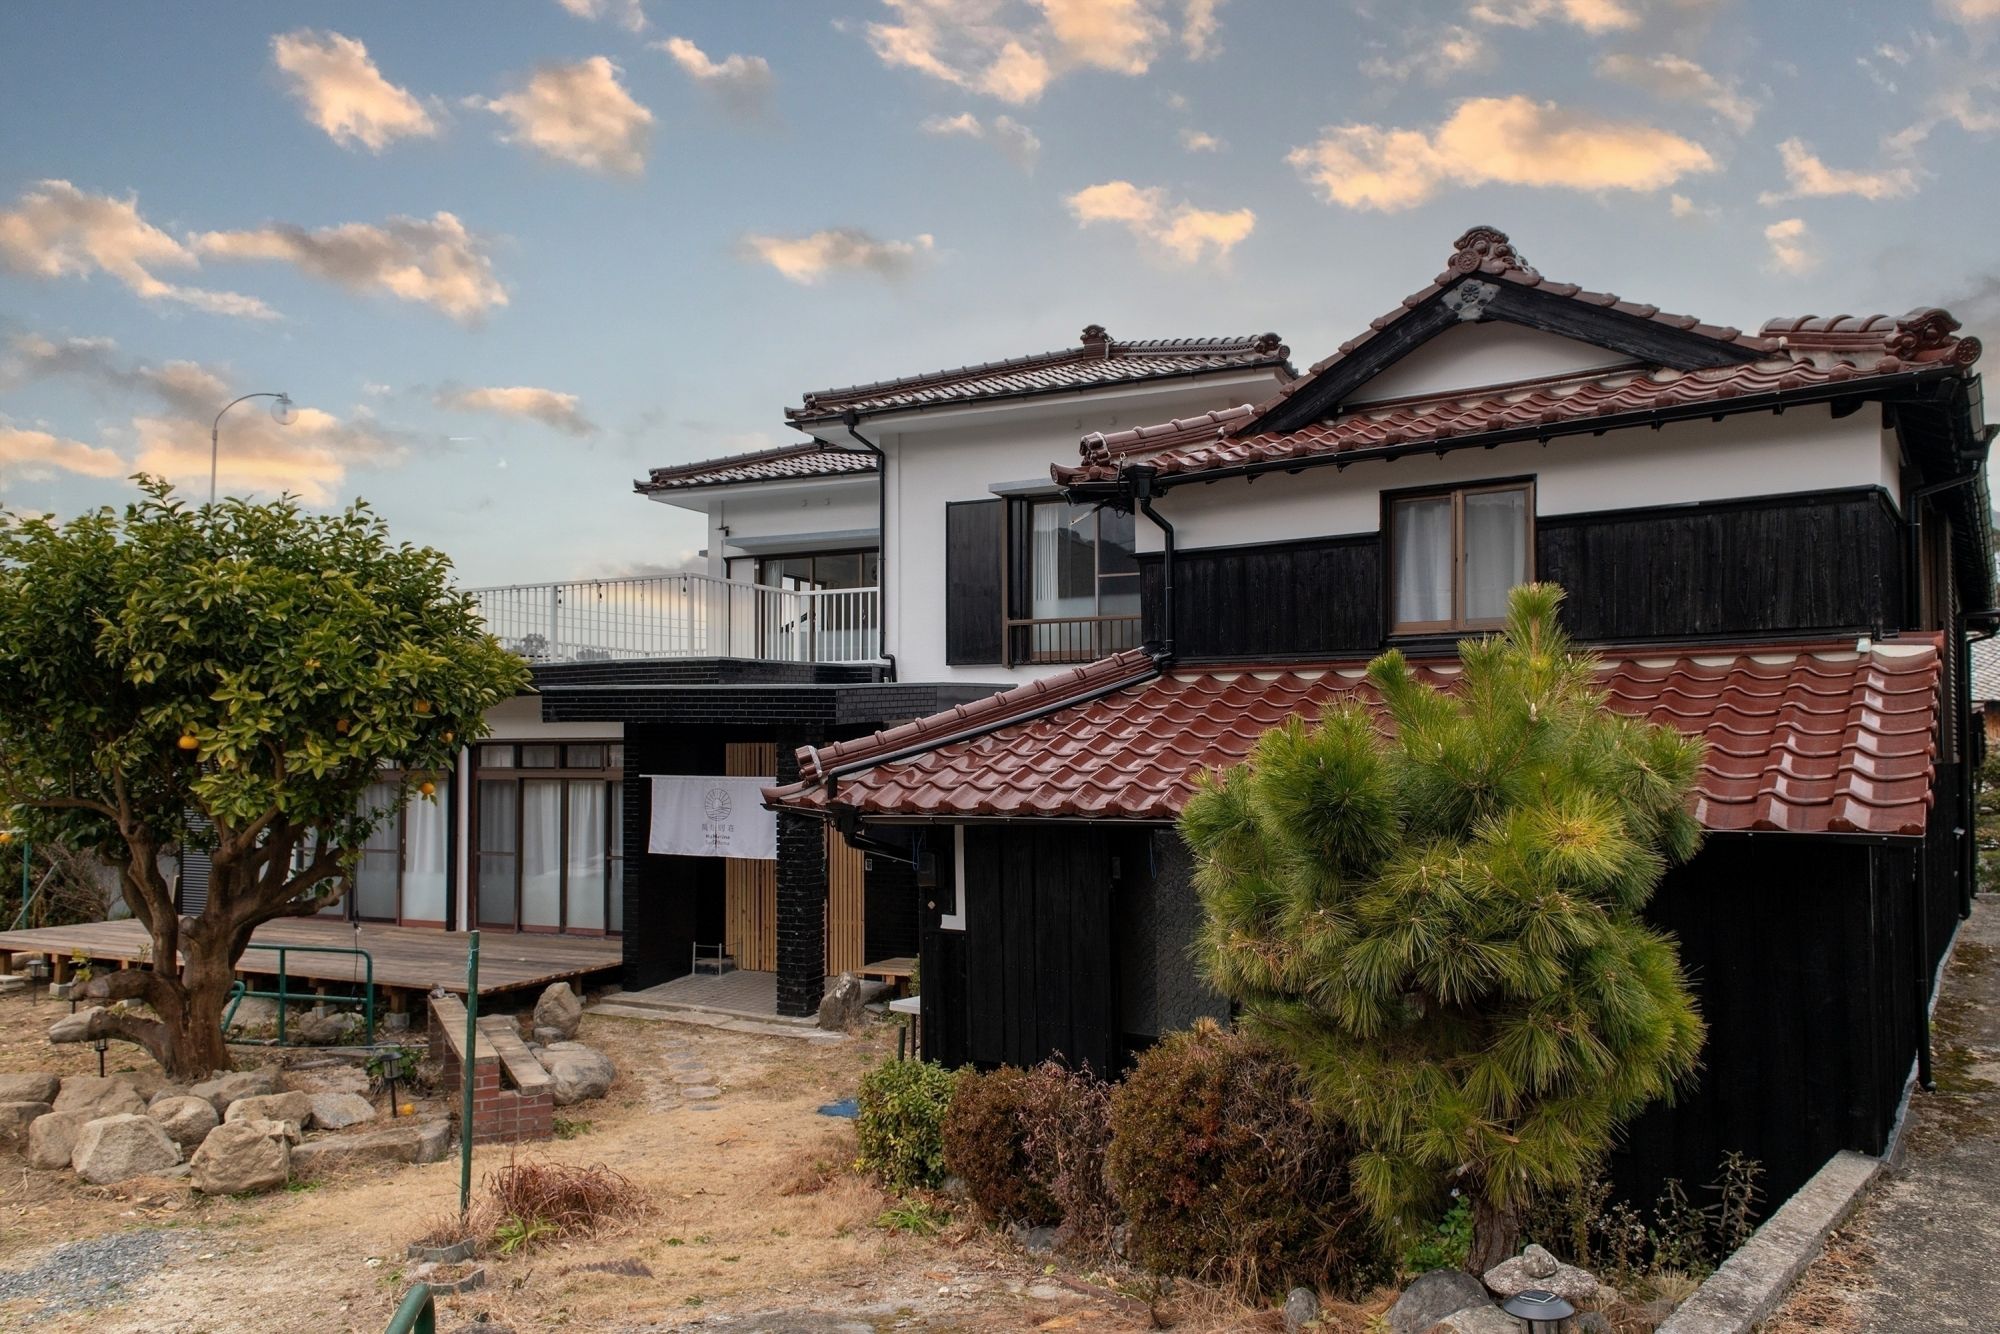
point(282, 413)
point(102, 1044)
point(1539, 1312)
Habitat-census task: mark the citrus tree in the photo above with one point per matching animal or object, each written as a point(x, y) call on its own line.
point(1440, 920)
point(232, 677)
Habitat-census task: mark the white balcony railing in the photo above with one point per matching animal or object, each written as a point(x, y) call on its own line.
point(682, 616)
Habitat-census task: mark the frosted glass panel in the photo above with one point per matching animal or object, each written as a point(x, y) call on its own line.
point(541, 854)
point(1496, 551)
point(425, 838)
point(1422, 552)
point(499, 844)
point(617, 800)
point(586, 857)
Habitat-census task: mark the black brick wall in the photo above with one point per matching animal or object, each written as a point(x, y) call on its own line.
point(700, 672)
point(801, 893)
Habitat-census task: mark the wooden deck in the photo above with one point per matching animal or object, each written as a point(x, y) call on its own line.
point(406, 958)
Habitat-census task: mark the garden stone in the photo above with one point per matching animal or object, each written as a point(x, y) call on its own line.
point(332, 1029)
point(1536, 1268)
point(1301, 1309)
point(254, 1014)
point(186, 1119)
point(52, 1140)
point(1038, 1240)
point(166, 1091)
point(419, 1142)
point(293, 1108)
point(543, 1036)
point(16, 1117)
point(34, 1086)
point(130, 1144)
point(1487, 1319)
point(560, 1010)
point(247, 1154)
point(74, 1027)
point(337, 1111)
point(98, 1095)
point(579, 1072)
point(1594, 1322)
point(1432, 1297)
point(840, 1009)
point(225, 1089)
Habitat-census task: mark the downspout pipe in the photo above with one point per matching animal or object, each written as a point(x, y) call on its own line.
point(851, 419)
point(1139, 481)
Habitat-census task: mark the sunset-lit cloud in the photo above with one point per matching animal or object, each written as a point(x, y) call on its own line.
point(1199, 24)
point(432, 261)
point(1807, 177)
point(344, 94)
point(628, 14)
point(1200, 141)
point(28, 453)
point(1494, 140)
point(1435, 56)
point(1013, 49)
point(742, 84)
point(1676, 78)
point(1179, 231)
point(808, 259)
point(578, 113)
point(1593, 16)
point(547, 406)
point(55, 230)
point(1790, 242)
point(1016, 142)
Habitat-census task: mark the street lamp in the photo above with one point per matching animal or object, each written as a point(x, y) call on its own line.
point(281, 413)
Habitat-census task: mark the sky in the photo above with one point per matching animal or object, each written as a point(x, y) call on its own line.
point(505, 256)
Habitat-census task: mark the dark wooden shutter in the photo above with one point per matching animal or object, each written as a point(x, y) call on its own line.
point(972, 604)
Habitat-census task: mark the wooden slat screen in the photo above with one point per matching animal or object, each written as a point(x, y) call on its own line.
point(846, 907)
point(751, 887)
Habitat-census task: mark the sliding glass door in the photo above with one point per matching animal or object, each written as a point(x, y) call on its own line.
point(549, 831)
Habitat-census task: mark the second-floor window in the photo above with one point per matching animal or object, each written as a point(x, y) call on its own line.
point(1079, 594)
point(1453, 556)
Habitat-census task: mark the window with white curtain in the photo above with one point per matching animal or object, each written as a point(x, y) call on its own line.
point(548, 834)
point(541, 855)
point(426, 843)
point(1455, 555)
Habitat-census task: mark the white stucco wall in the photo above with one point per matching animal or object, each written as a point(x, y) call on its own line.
point(1496, 352)
point(520, 719)
point(1804, 449)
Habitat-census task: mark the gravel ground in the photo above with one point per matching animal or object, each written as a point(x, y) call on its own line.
point(86, 1274)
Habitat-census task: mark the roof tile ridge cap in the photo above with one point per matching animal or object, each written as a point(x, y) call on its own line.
point(1169, 431)
point(765, 455)
point(823, 397)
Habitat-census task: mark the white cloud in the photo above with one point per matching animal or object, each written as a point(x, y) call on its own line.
point(1494, 140)
point(1685, 209)
point(1118, 35)
point(1790, 248)
point(808, 259)
point(1437, 56)
point(629, 14)
point(741, 83)
point(55, 230)
point(344, 94)
point(1593, 16)
point(432, 261)
point(1179, 231)
point(1970, 12)
point(1200, 141)
point(1807, 177)
point(1679, 79)
point(183, 387)
point(1019, 144)
point(1199, 23)
point(562, 411)
point(38, 454)
point(578, 113)
point(1013, 49)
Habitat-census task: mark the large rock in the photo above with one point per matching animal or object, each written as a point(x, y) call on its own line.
point(1487, 1319)
point(295, 1109)
point(333, 1029)
point(74, 1027)
point(254, 1015)
point(130, 1144)
point(559, 1011)
point(411, 1142)
point(579, 1072)
point(1301, 1309)
point(98, 1095)
point(186, 1119)
point(244, 1155)
point(1433, 1296)
point(841, 1007)
point(337, 1111)
point(1534, 1268)
point(165, 1091)
point(34, 1086)
point(225, 1089)
point(52, 1140)
point(16, 1117)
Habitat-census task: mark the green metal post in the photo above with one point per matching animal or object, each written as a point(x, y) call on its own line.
point(465, 1075)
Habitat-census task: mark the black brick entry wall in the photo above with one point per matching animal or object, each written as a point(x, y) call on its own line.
point(801, 893)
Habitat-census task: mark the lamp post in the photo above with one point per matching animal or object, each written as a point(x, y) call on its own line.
point(281, 413)
point(1540, 1312)
point(102, 1045)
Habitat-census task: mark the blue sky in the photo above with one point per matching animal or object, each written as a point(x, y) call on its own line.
point(506, 256)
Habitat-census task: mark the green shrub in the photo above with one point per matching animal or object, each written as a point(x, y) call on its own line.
point(1225, 1174)
point(1444, 1246)
point(986, 1147)
point(900, 1122)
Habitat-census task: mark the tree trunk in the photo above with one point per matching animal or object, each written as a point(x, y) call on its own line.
point(195, 1047)
point(1496, 1235)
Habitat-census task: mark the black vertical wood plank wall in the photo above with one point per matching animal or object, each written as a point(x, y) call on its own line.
point(972, 608)
point(1322, 596)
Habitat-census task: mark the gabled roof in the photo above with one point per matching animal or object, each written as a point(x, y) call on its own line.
point(808, 458)
point(1097, 362)
point(1801, 738)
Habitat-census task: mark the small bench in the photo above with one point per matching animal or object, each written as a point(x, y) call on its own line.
point(896, 972)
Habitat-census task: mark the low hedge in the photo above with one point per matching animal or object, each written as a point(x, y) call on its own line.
point(899, 1120)
point(985, 1146)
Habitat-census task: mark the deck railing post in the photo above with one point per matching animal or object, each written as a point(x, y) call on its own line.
point(467, 1067)
point(284, 1000)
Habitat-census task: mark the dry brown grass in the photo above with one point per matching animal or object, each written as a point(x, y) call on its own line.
point(1820, 1304)
point(567, 1200)
point(811, 1168)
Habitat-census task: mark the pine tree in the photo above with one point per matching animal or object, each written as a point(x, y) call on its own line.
point(1442, 925)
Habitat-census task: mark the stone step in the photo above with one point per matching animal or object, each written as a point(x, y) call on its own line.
point(411, 1142)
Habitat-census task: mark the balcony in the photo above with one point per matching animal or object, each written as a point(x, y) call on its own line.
point(682, 616)
point(1069, 639)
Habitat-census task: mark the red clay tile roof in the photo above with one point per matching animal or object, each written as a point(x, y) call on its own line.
point(1801, 739)
point(808, 458)
point(1794, 355)
point(1097, 362)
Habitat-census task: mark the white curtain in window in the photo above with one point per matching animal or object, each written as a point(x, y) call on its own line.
point(1496, 550)
point(586, 856)
point(617, 799)
point(541, 853)
point(1422, 553)
point(425, 836)
point(375, 870)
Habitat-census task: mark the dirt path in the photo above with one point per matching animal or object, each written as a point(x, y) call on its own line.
point(754, 1223)
point(1919, 1254)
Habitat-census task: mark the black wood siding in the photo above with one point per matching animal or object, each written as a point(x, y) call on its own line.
point(972, 555)
point(1831, 561)
point(1279, 599)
